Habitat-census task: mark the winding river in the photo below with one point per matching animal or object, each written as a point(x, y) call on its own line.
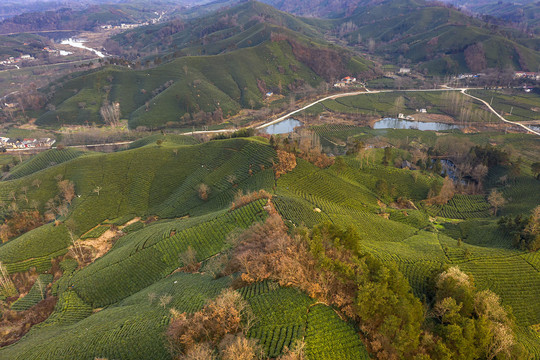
point(79, 43)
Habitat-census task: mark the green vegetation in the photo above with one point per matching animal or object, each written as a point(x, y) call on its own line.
point(95, 232)
point(441, 40)
point(381, 248)
point(282, 318)
point(514, 104)
point(43, 161)
point(452, 104)
point(250, 56)
point(37, 293)
point(328, 337)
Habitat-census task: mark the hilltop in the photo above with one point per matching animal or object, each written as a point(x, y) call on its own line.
point(237, 25)
point(428, 36)
point(273, 52)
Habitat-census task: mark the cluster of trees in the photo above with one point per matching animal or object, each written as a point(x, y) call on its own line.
point(524, 230)
point(110, 113)
point(304, 144)
point(328, 264)
point(22, 214)
point(218, 331)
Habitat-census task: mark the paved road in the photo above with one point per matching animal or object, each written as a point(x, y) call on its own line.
point(344, 95)
point(336, 96)
point(464, 91)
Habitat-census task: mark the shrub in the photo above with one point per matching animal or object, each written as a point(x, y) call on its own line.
point(239, 348)
point(210, 325)
point(241, 200)
point(204, 191)
point(189, 261)
point(286, 162)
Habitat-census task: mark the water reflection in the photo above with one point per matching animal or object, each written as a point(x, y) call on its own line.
point(282, 127)
point(391, 123)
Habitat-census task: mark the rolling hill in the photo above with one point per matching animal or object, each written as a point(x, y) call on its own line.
point(245, 24)
point(118, 306)
point(428, 36)
point(233, 71)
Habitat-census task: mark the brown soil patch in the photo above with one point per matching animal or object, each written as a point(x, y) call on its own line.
point(434, 118)
point(99, 246)
point(132, 221)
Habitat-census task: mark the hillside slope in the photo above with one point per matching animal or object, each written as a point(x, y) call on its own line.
point(439, 39)
point(124, 297)
point(275, 52)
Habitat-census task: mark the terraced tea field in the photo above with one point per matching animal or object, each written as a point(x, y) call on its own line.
point(118, 307)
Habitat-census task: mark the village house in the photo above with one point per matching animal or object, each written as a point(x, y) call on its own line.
point(404, 71)
point(28, 143)
point(345, 81)
point(526, 75)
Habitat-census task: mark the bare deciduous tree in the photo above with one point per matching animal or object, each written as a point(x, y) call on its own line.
point(110, 113)
point(496, 200)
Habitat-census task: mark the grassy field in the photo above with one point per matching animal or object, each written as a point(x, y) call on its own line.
point(452, 104)
point(514, 104)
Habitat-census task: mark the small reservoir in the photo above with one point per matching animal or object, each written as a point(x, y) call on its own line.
point(392, 123)
point(282, 127)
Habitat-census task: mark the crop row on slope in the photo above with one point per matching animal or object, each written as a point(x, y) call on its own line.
point(463, 207)
point(515, 280)
point(35, 295)
point(329, 337)
point(42, 161)
point(131, 329)
point(180, 91)
point(132, 266)
point(281, 318)
point(144, 181)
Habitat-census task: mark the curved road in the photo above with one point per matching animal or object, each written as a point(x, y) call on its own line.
point(464, 91)
point(336, 96)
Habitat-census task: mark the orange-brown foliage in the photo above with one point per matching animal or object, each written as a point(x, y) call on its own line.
point(286, 162)
point(19, 223)
point(266, 251)
point(320, 160)
point(218, 318)
point(15, 324)
point(241, 200)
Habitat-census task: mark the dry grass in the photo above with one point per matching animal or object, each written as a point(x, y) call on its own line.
point(241, 199)
point(15, 324)
point(7, 288)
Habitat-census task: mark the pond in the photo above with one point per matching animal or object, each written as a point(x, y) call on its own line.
point(282, 127)
point(391, 123)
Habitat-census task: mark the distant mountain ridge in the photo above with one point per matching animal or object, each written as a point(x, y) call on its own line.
point(223, 63)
